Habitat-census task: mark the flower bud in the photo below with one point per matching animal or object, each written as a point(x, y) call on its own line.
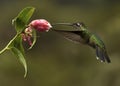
point(40, 25)
point(28, 31)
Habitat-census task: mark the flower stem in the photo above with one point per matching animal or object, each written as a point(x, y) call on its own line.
point(7, 46)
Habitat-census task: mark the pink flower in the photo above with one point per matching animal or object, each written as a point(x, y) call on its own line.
point(26, 38)
point(27, 35)
point(40, 25)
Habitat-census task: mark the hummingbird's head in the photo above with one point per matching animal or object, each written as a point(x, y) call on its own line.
point(79, 24)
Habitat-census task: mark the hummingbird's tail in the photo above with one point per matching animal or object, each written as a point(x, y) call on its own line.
point(102, 54)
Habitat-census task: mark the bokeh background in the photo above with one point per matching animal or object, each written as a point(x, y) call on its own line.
point(55, 61)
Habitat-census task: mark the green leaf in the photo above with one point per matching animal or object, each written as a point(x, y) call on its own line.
point(22, 19)
point(17, 43)
point(34, 39)
point(17, 48)
point(21, 58)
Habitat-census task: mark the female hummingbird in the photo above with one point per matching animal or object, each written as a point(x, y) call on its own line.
point(84, 36)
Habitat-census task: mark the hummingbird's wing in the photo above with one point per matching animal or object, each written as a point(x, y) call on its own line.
point(71, 35)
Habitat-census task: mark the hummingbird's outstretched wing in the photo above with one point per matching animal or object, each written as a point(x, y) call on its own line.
point(71, 35)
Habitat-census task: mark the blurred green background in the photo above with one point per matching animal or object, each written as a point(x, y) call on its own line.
point(55, 61)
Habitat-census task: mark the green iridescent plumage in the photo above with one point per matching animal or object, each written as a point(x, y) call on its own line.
point(82, 35)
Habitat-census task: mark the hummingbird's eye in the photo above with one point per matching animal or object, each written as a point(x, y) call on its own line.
point(78, 24)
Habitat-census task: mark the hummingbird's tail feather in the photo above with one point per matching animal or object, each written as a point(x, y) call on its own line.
point(102, 54)
point(99, 54)
point(107, 57)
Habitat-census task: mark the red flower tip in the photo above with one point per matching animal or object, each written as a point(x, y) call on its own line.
point(40, 25)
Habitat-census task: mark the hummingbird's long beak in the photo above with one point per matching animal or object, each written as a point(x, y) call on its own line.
point(75, 25)
point(68, 24)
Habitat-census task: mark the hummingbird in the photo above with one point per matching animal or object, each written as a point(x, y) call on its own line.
point(84, 36)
